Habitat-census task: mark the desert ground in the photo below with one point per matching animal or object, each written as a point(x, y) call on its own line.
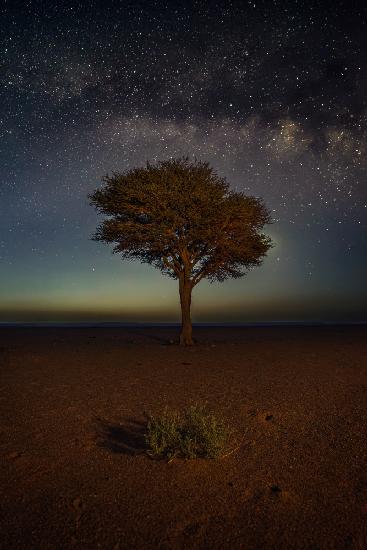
point(75, 474)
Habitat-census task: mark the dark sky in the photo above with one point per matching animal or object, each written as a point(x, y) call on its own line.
point(272, 94)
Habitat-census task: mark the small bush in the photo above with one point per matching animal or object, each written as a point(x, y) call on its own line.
point(195, 433)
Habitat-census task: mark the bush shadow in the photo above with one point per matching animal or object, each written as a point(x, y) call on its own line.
point(126, 437)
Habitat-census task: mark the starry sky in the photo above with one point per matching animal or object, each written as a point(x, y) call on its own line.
point(271, 93)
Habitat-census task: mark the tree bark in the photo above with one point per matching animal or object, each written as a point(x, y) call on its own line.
point(185, 301)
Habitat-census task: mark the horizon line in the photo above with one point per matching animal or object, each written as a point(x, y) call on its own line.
point(122, 324)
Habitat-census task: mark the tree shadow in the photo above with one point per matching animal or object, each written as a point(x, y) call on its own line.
point(167, 338)
point(126, 437)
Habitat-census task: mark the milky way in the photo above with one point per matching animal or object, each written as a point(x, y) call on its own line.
point(272, 94)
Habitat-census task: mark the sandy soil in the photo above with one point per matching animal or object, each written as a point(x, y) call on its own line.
point(73, 469)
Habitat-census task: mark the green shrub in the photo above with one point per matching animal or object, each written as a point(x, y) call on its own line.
point(195, 433)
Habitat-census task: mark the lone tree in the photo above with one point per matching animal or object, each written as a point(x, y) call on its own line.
point(182, 218)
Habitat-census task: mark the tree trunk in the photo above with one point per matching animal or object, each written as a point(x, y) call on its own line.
point(185, 301)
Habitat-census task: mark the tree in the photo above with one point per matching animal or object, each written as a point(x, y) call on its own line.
point(183, 219)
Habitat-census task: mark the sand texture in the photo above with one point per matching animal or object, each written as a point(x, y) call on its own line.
point(74, 473)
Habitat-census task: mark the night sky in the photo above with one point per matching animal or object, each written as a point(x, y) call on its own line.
point(272, 94)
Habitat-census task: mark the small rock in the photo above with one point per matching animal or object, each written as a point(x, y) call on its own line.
point(77, 504)
point(13, 455)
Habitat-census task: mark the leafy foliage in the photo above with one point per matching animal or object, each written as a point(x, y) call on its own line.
point(195, 433)
point(181, 217)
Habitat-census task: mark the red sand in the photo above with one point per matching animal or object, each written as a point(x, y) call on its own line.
point(73, 469)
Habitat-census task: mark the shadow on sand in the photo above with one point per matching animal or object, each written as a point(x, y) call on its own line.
point(168, 338)
point(126, 437)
